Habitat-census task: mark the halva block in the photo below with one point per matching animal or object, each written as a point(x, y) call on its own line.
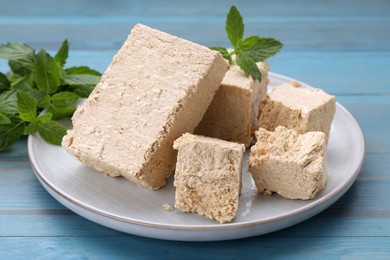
point(233, 113)
point(293, 165)
point(157, 87)
point(208, 176)
point(299, 108)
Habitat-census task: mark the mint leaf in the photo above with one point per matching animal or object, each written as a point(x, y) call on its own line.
point(234, 26)
point(75, 79)
point(46, 117)
point(62, 54)
point(31, 128)
point(82, 90)
point(47, 75)
point(18, 68)
point(44, 102)
point(248, 65)
point(82, 70)
point(60, 111)
point(260, 49)
point(52, 132)
point(35, 82)
point(8, 104)
point(224, 52)
point(61, 104)
point(10, 133)
point(4, 82)
point(22, 53)
point(4, 119)
point(37, 94)
point(24, 82)
point(250, 50)
point(27, 106)
point(64, 98)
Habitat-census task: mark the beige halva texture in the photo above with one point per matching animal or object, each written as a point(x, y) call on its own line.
point(299, 108)
point(157, 87)
point(293, 165)
point(208, 176)
point(234, 111)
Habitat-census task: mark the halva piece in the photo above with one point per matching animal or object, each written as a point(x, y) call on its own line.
point(208, 176)
point(299, 108)
point(293, 165)
point(157, 87)
point(233, 113)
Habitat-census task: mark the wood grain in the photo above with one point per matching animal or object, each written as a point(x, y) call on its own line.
point(345, 36)
point(143, 248)
point(340, 46)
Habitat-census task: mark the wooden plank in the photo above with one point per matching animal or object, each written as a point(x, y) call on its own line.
point(295, 36)
point(200, 9)
point(340, 73)
point(103, 25)
point(67, 224)
point(372, 113)
point(132, 247)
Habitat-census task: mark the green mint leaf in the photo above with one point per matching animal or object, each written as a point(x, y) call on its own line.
point(15, 51)
point(8, 105)
point(82, 90)
point(64, 98)
point(82, 70)
point(224, 52)
point(31, 128)
point(44, 102)
point(4, 119)
point(248, 65)
point(4, 82)
point(46, 117)
point(24, 86)
point(22, 53)
point(234, 26)
point(47, 74)
point(27, 106)
point(60, 111)
point(85, 79)
point(62, 54)
point(23, 82)
point(10, 133)
point(52, 132)
point(260, 49)
point(18, 68)
point(61, 104)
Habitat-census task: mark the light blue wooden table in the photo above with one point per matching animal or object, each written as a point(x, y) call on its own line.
point(340, 46)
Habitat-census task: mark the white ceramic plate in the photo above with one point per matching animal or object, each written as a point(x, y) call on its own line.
point(124, 206)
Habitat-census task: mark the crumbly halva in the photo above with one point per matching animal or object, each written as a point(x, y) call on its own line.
point(293, 165)
point(233, 113)
point(157, 87)
point(208, 176)
point(299, 108)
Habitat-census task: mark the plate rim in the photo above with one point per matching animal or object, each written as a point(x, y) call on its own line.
point(343, 187)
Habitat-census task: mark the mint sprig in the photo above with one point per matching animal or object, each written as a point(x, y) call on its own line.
point(47, 74)
point(234, 26)
point(248, 50)
point(38, 81)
